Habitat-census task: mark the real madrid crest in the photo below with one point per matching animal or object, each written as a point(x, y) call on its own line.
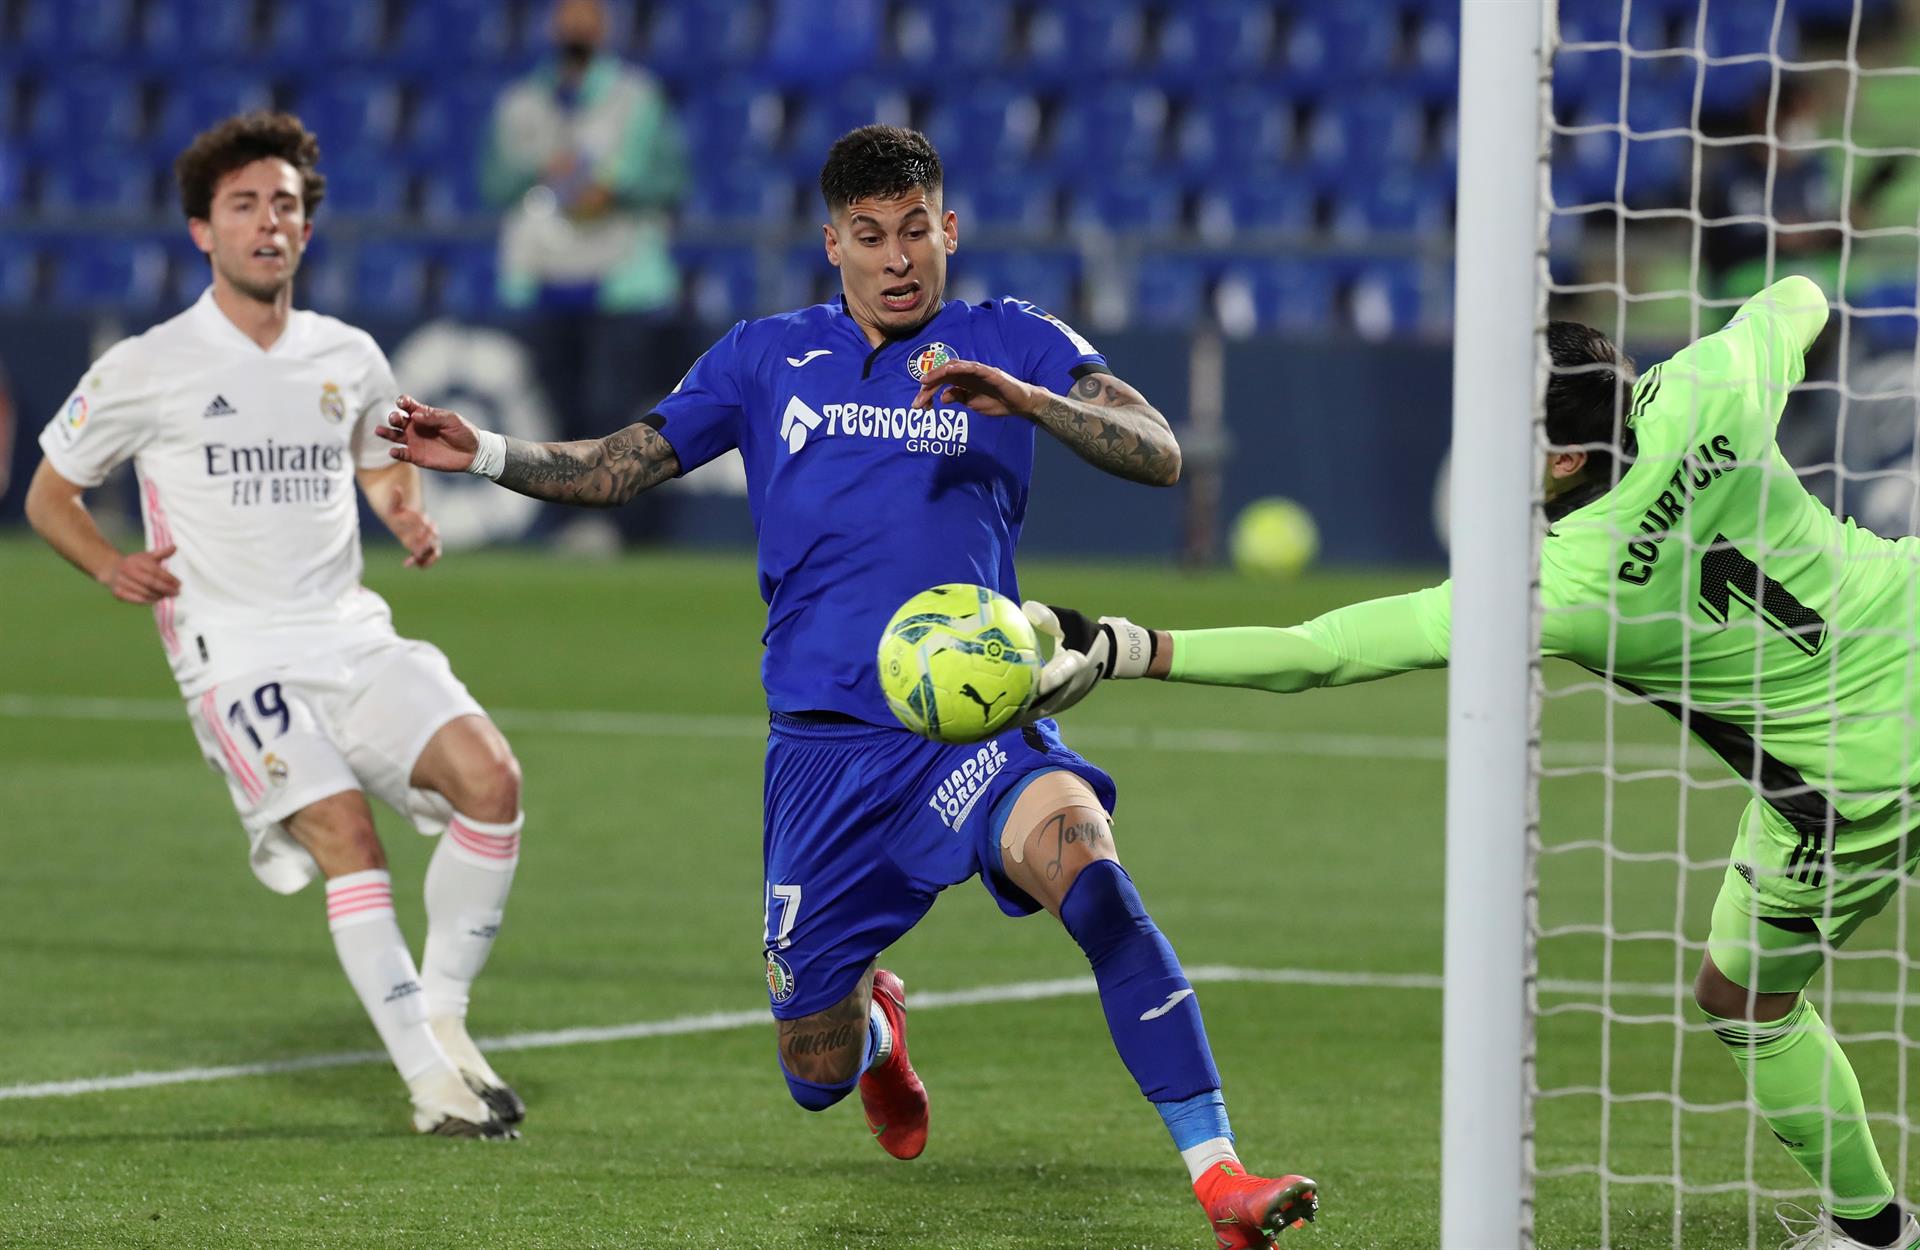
point(927, 357)
point(333, 405)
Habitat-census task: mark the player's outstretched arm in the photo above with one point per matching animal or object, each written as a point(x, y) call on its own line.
point(57, 510)
point(1107, 423)
point(1361, 642)
point(592, 473)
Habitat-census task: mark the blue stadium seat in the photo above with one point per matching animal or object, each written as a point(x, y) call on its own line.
point(389, 276)
point(1076, 41)
point(19, 272)
point(60, 29)
point(746, 194)
point(1732, 31)
point(188, 273)
point(364, 188)
point(1129, 206)
point(1585, 76)
point(1169, 292)
point(13, 177)
point(1586, 170)
point(806, 278)
point(449, 182)
point(465, 32)
point(1385, 299)
point(1118, 124)
point(194, 33)
point(1280, 200)
point(1015, 200)
point(456, 115)
point(1045, 278)
point(985, 123)
point(944, 39)
point(356, 117)
point(84, 112)
point(1399, 202)
point(1598, 21)
point(1201, 41)
point(195, 104)
point(1434, 53)
point(99, 180)
point(1274, 295)
point(692, 40)
point(734, 119)
point(110, 271)
point(469, 279)
point(826, 115)
point(721, 283)
point(326, 279)
point(809, 44)
point(329, 30)
point(1339, 45)
point(1225, 133)
point(1366, 131)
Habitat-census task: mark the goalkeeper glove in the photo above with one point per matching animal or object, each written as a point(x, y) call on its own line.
point(1082, 652)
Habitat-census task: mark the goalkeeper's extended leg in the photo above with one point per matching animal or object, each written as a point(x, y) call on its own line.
point(1057, 845)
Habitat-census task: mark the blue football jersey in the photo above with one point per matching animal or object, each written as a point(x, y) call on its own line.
point(858, 500)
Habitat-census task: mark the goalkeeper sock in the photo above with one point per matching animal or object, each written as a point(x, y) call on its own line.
point(1806, 1089)
point(1148, 1001)
point(466, 892)
point(380, 968)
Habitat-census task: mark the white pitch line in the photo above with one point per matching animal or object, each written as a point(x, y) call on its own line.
point(1113, 737)
point(727, 1021)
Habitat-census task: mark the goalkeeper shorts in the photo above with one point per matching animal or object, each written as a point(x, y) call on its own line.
point(1787, 900)
point(866, 824)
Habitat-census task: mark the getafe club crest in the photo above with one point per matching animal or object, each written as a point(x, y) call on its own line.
point(780, 982)
point(928, 357)
point(333, 405)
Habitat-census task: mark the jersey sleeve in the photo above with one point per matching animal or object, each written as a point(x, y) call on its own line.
point(109, 418)
point(1739, 375)
point(701, 418)
point(376, 392)
point(1360, 642)
point(1046, 350)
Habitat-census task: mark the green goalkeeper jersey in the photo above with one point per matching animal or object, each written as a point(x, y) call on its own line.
point(1707, 580)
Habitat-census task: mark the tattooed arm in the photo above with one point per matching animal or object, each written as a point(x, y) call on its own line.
point(594, 473)
point(1107, 423)
point(598, 473)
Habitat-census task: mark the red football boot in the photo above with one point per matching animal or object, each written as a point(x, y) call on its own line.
point(1248, 1212)
point(891, 1093)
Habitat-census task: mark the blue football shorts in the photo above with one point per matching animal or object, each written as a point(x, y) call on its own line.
point(865, 825)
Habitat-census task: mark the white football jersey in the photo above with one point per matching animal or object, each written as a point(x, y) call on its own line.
point(246, 461)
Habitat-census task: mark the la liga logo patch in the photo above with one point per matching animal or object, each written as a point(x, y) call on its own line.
point(927, 357)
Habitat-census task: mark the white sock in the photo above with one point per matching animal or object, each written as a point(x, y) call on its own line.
point(882, 1036)
point(467, 885)
point(380, 968)
point(1207, 1155)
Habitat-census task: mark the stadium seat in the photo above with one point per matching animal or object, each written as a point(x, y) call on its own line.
point(1384, 299)
point(110, 271)
point(390, 277)
point(1434, 53)
point(1042, 277)
point(60, 29)
point(357, 116)
point(469, 280)
point(188, 273)
point(1118, 124)
point(328, 30)
point(1276, 296)
point(1276, 200)
point(191, 33)
point(194, 104)
point(85, 112)
point(13, 177)
point(824, 116)
point(365, 188)
point(747, 193)
point(1169, 292)
point(1076, 41)
point(810, 44)
point(722, 284)
point(1366, 131)
point(1203, 41)
point(985, 123)
point(1222, 134)
point(942, 39)
point(1130, 206)
point(806, 278)
point(101, 180)
point(690, 41)
point(465, 32)
point(735, 119)
point(1015, 200)
point(1399, 202)
point(448, 185)
point(20, 268)
point(1338, 45)
point(1731, 31)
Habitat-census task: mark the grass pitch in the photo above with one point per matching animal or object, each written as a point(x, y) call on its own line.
point(1269, 833)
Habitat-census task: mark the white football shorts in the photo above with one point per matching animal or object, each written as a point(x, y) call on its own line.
point(286, 737)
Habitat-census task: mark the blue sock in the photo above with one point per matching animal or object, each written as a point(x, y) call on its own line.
point(1200, 1118)
point(1148, 1001)
point(816, 1097)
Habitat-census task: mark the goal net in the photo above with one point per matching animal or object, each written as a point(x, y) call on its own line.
point(1699, 151)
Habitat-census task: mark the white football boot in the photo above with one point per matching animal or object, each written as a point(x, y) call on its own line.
point(451, 1032)
point(445, 1107)
point(1815, 1230)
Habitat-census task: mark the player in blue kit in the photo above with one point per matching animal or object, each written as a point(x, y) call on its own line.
point(888, 441)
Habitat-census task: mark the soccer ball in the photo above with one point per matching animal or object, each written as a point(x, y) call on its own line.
point(958, 663)
point(1274, 537)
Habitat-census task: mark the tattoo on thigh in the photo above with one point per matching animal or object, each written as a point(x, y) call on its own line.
point(1065, 834)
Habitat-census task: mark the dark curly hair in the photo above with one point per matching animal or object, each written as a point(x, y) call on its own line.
point(882, 161)
point(238, 142)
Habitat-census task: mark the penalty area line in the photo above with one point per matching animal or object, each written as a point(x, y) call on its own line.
point(929, 1000)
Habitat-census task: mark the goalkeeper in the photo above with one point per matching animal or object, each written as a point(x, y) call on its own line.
point(1704, 578)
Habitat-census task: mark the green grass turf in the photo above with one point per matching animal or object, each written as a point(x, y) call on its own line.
point(132, 937)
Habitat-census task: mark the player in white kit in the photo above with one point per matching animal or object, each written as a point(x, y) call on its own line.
point(249, 424)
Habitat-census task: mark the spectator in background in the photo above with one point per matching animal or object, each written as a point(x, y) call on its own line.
point(1736, 186)
point(587, 159)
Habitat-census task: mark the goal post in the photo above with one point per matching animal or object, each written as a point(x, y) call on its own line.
point(1498, 305)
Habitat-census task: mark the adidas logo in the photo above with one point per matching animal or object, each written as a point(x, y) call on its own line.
point(219, 408)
